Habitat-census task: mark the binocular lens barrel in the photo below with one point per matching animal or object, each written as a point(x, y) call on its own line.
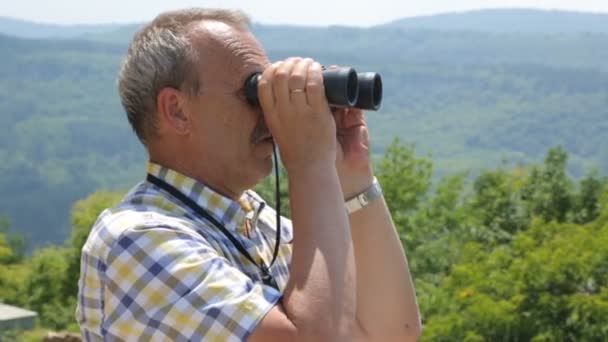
point(343, 88)
point(370, 91)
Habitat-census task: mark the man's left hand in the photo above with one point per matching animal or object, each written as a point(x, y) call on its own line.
point(353, 160)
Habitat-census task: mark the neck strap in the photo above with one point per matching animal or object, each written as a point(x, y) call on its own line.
point(264, 270)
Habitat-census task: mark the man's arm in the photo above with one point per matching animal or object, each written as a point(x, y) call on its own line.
point(386, 299)
point(319, 301)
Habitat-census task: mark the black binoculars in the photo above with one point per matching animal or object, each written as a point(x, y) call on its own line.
point(344, 87)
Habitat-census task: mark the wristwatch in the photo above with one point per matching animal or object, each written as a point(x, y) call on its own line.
point(365, 198)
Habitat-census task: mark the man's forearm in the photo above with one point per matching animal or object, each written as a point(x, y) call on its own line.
point(321, 291)
point(386, 300)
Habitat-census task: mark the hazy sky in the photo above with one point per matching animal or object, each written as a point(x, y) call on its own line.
point(307, 12)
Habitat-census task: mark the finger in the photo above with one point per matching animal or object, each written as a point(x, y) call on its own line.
point(265, 93)
point(280, 83)
point(354, 117)
point(315, 91)
point(297, 82)
point(297, 78)
point(338, 114)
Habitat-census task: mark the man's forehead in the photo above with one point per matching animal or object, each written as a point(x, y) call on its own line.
point(233, 50)
point(212, 29)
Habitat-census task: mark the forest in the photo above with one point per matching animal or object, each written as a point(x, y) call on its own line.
point(490, 146)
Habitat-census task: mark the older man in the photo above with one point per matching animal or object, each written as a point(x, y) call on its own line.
point(188, 254)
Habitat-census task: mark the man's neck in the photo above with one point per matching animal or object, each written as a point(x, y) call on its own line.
point(188, 169)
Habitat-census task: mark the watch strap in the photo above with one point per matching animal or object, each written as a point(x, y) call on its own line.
point(366, 197)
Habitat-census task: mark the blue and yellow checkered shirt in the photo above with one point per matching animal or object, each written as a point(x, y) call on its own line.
point(151, 269)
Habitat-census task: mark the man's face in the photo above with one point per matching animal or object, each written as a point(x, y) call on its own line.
point(229, 133)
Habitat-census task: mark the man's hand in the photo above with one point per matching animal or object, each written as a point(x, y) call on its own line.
point(353, 155)
point(292, 96)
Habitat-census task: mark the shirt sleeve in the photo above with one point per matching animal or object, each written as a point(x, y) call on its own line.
point(165, 284)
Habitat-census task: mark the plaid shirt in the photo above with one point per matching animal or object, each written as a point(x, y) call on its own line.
point(152, 269)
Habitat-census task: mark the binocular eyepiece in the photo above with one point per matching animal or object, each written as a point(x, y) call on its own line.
point(344, 87)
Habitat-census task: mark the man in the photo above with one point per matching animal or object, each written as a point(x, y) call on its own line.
point(187, 254)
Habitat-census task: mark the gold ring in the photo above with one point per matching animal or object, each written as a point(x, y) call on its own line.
point(297, 90)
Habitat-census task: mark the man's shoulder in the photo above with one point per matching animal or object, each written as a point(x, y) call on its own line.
point(139, 209)
point(113, 223)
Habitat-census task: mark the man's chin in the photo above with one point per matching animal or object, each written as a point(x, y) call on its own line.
point(263, 169)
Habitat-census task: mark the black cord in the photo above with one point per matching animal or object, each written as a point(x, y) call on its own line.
point(277, 196)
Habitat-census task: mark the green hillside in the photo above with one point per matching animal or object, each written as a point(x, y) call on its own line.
point(470, 99)
point(65, 131)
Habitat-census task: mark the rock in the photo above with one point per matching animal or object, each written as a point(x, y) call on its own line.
point(62, 337)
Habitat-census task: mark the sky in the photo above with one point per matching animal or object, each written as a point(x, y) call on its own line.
point(307, 12)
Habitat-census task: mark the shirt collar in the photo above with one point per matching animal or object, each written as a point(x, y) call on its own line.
point(232, 214)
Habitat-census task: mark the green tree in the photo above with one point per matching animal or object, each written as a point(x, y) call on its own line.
point(44, 290)
point(84, 215)
point(12, 245)
point(12, 272)
point(549, 190)
point(438, 229)
point(405, 180)
point(12, 275)
point(6, 252)
point(586, 201)
point(497, 205)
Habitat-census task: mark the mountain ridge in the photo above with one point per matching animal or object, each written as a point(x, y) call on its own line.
point(485, 20)
point(30, 29)
point(509, 20)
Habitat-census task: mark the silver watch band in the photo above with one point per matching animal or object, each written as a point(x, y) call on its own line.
point(365, 198)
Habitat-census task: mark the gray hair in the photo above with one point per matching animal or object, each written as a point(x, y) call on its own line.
point(162, 55)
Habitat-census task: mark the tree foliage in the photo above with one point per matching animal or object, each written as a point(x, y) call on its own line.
point(519, 256)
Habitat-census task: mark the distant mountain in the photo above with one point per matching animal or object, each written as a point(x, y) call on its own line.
point(27, 29)
point(509, 20)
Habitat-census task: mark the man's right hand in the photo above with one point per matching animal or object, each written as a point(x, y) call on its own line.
point(292, 97)
point(322, 276)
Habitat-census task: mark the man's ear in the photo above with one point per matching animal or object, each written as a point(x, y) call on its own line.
point(171, 110)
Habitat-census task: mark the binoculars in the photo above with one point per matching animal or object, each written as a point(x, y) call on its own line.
point(344, 87)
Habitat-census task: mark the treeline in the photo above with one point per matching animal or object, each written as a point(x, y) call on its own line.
point(514, 254)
